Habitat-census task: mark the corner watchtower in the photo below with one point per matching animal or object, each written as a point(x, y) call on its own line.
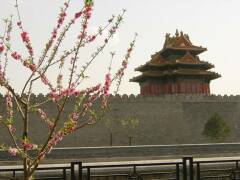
point(176, 69)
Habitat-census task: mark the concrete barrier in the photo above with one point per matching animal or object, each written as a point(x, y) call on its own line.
point(137, 151)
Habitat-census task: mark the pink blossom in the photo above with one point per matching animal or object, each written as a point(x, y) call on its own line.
point(113, 30)
point(57, 95)
point(30, 49)
point(88, 15)
point(124, 64)
point(54, 33)
point(63, 14)
point(61, 18)
point(50, 124)
point(42, 155)
point(9, 101)
point(82, 35)
point(44, 79)
point(54, 95)
point(42, 113)
point(93, 89)
point(25, 37)
point(27, 146)
point(84, 26)
point(120, 72)
point(13, 151)
point(91, 38)
point(15, 55)
point(11, 128)
point(19, 23)
point(107, 84)
point(55, 139)
point(129, 50)
point(78, 14)
point(26, 63)
point(33, 67)
point(2, 48)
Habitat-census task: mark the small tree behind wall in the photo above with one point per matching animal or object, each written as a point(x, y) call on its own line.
point(61, 90)
point(216, 128)
point(130, 125)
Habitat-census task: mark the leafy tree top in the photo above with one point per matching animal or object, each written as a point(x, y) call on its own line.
point(216, 128)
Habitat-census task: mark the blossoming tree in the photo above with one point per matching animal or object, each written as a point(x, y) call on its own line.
point(59, 93)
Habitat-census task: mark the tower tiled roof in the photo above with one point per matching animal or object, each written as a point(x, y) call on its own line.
point(178, 57)
point(170, 73)
point(180, 41)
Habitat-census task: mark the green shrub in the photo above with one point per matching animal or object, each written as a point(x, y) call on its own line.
point(216, 128)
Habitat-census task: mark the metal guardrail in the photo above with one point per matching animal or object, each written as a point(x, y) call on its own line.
point(229, 169)
point(186, 169)
point(132, 168)
point(63, 175)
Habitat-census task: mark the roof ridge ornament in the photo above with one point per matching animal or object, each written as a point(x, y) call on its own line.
point(177, 33)
point(181, 33)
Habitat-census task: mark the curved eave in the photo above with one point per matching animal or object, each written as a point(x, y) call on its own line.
point(194, 50)
point(147, 66)
point(208, 74)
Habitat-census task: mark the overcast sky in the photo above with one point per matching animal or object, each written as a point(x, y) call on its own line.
point(214, 24)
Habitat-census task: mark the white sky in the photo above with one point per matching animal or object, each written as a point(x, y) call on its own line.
point(214, 24)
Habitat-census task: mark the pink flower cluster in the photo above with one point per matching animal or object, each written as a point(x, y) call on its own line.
point(9, 101)
point(33, 67)
point(27, 146)
point(26, 40)
point(61, 18)
point(15, 55)
point(30, 65)
point(91, 38)
point(54, 140)
point(78, 15)
point(107, 84)
point(93, 89)
point(54, 33)
point(43, 116)
point(112, 30)
point(124, 62)
point(57, 95)
point(19, 24)
point(13, 151)
point(25, 37)
point(92, 98)
point(45, 80)
point(9, 106)
point(1, 47)
point(88, 11)
point(11, 128)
